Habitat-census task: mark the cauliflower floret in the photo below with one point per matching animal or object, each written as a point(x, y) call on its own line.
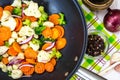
point(10, 22)
point(17, 3)
point(16, 74)
point(48, 24)
point(3, 49)
point(5, 16)
point(11, 40)
point(24, 46)
point(26, 31)
point(1, 64)
point(14, 35)
point(9, 68)
point(10, 58)
point(34, 24)
point(34, 46)
point(4, 68)
point(21, 39)
point(32, 11)
point(5, 55)
point(15, 67)
point(20, 56)
point(43, 56)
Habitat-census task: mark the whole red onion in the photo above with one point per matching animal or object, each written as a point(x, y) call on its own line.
point(112, 20)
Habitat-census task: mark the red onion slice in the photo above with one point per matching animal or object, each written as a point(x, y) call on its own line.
point(16, 16)
point(27, 40)
point(25, 65)
point(51, 46)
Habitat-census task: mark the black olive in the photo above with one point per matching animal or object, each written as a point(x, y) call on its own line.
point(95, 45)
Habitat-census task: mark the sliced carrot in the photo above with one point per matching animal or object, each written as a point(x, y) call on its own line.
point(49, 67)
point(5, 33)
point(1, 12)
point(25, 69)
point(54, 18)
point(53, 61)
point(31, 18)
point(31, 61)
point(1, 43)
point(45, 46)
point(9, 8)
point(30, 53)
point(40, 68)
point(60, 43)
point(12, 52)
point(55, 33)
point(47, 33)
point(30, 72)
point(19, 24)
point(5, 60)
point(61, 30)
point(16, 47)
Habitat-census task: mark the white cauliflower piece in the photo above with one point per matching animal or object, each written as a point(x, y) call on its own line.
point(3, 49)
point(11, 40)
point(5, 55)
point(10, 58)
point(3, 67)
point(32, 10)
point(14, 35)
point(34, 46)
point(21, 39)
point(10, 22)
point(17, 3)
point(1, 64)
point(5, 16)
point(34, 24)
point(20, 56)
point(24, 46)
point(48, 24)
point(26, 31)
point(43, 56)
point(9, 68)
point(16, 74)
point(15, 67)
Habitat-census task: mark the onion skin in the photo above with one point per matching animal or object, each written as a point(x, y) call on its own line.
point(112, 20)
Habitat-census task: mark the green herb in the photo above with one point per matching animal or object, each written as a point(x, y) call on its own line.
point(1, 57)
point(9, 73)
point(7, 43)
point(38, 30)
point(62, 20)
point(27, 22)
point(17, 11)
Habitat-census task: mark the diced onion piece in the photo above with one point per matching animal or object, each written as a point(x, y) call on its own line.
point(3, 50)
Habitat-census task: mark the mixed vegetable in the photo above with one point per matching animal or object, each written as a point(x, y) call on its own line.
point(30, 39)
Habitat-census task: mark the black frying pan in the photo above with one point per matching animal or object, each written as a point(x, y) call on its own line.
point(75, 32)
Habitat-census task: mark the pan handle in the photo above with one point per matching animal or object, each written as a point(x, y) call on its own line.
point(88, 75)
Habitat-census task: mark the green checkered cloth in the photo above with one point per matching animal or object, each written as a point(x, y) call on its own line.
point(96, 64)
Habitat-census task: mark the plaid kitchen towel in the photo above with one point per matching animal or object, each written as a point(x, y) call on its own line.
point(96, 64)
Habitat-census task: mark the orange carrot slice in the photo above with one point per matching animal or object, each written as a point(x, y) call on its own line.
point(39, 68)
point(1, 43)
point(53, 61)
point(49, 67)
point(5, 33)
point(12, 52)
point(30, 53)
point(16, 47)
point(19, 24)
point(31, 61)
point(47, 33)
point(54, 18)
point(55, 33)
point(45, 46)
point(1, 12)
point(9, 8)
point(5, 60)
point(60, 43)
point(61, 30)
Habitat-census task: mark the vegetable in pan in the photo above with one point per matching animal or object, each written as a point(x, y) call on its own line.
point(30, 39)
